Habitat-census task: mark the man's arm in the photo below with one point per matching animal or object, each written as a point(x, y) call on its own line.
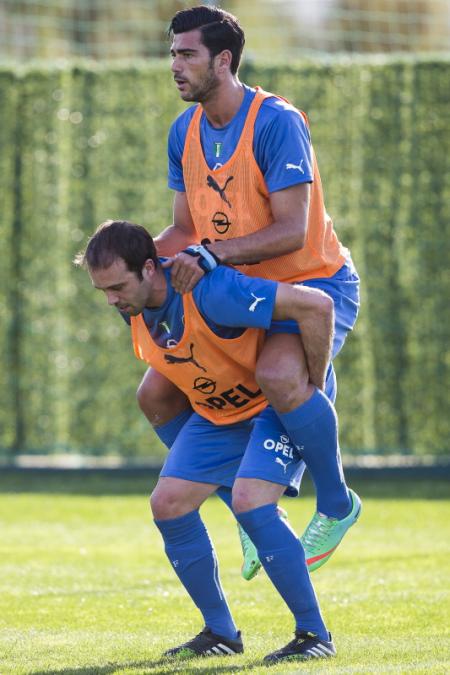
point(185, 270)
point(314, 312)
point(182, 233)
point(287, 233)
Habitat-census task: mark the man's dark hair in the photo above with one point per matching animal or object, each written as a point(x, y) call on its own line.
point(118, 239)
point(220, 30)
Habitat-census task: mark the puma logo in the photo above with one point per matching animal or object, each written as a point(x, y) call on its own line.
point(165, 325)
point(212, 183)
point(299, 167)
point(170, 358)
point(283, 464)
point(254, 304)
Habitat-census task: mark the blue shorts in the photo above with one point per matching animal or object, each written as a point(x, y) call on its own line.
point(256, 448)
point(343, 289)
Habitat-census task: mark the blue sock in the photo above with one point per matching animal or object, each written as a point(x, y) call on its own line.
point(168, 432)
point(193, 558)
point(314, 430)
point(283, 558)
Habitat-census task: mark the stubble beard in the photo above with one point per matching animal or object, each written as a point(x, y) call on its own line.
point(204, 89)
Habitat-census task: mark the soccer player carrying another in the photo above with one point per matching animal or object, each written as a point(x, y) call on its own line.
point(248, 187)
point(233, 438)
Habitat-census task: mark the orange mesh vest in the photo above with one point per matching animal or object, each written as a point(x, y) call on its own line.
point(233, 201)
point(216, 374)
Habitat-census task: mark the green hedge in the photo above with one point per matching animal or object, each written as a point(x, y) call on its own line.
point(85, 143)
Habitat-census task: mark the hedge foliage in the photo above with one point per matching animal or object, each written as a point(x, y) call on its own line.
point(83, 143)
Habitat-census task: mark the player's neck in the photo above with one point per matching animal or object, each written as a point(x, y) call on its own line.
point(158, 293)
point(224, 103)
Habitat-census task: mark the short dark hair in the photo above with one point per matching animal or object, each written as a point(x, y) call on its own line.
point(220, 30)
point(118, 239)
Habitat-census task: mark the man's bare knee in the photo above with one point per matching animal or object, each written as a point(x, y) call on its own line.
point(282, 371)
point(251, 493)
point(285, 388)
point(242, 501)
point(167, 503)
point(145, 396)
point(174, 497)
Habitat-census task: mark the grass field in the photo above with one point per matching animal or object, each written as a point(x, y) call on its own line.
point(85, 587)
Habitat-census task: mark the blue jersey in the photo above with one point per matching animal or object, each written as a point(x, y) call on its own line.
point(281, 143)
point(228, 301)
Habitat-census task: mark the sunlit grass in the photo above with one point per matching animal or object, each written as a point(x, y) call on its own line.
point(85, 587)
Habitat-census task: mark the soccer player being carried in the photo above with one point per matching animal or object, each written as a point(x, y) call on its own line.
point(207, 343)
point(247, 187)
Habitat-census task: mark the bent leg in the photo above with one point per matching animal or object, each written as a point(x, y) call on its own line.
point(243, 499)
point(282, 372)
point(189, 549)
point(164, 405)
point(267, 470)
point(202, 457)
point(279, 550)
point(251, 493)
point(174, 497)
point(159, 399)
point(308, 417)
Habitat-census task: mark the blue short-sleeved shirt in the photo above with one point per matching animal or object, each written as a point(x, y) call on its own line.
point(229, 302)
point(281, 143)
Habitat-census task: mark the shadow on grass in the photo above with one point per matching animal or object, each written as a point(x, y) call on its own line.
point(424, 483)
point(158, 666)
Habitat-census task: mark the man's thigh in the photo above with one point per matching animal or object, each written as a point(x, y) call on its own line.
point(207, 453)
point(343, 288)
point(282, 360)
point(271, 456)
point(159, 398)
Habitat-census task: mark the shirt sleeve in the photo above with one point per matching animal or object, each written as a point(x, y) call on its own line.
point(228, 298)
point(175, 147)
point(282, 145)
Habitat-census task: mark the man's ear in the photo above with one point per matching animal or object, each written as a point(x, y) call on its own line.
point(223, 60)
point(149, 268)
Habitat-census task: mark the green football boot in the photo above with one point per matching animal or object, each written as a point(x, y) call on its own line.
point(251, 564)
point(323, 534)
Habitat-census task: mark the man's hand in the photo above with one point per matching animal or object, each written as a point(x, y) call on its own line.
point(184, 275)
point(185, 272)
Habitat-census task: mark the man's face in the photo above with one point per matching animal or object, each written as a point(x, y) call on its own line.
point(123, 288)
point(192, 67)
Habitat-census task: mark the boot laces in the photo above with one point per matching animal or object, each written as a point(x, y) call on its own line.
point(318, 530)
